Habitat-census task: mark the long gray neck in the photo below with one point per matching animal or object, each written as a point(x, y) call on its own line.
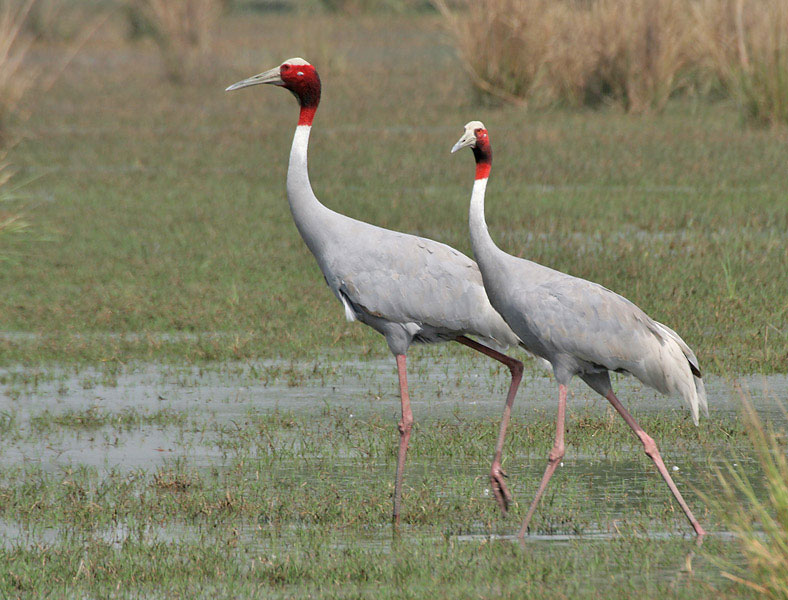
point(309, 214)
point(484, 249)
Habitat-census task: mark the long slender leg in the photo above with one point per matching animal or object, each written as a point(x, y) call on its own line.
point(405, 425)
point(556, 454)
point(497, 475)
point(653, 453)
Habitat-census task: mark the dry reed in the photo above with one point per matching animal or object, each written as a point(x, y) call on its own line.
point(640, 48)
point(16, 77)
point(745, 45)
point(58, 20)
point(18, 74)
point(634, 53)
point(183, 30)
point(11, 221)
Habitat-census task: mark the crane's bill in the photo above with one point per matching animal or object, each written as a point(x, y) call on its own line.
point(468, 139)
point(270, 76)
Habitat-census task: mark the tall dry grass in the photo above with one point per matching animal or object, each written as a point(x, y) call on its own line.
point(59, 20)
point(183, 30)
point(759, 520)
point(745, 45)
point(634, 53)
point(16, 76)
point(507, 45)
point(630, 52)
point(640, 49)
point(12, 222)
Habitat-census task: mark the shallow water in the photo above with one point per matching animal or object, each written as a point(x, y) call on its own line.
point(593, 503)
point(440, 388)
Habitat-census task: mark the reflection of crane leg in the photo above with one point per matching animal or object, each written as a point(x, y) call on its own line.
point(556, 454)
point(653, 453)
point(497, 474)
point(405, 425)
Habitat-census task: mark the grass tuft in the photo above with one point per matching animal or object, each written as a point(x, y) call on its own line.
point(636, 54)
point(759, 520)
point(747, 46)
point(16, 76)
point(629, 53)
point(183, 31)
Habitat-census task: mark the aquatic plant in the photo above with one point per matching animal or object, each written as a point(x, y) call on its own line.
point(758, 520)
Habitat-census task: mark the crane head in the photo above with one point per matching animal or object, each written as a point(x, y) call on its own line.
point(474, 135)
point(295, 75)
point(477, 138)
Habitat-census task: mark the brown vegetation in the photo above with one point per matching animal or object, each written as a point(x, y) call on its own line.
point(16, 78)
point(746, 47)
point(635, 53)
point(183, 30)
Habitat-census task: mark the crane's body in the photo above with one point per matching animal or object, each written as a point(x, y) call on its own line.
point(579, 327)
point(582, 328)
point(408, 288)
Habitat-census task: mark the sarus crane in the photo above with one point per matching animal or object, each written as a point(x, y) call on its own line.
point(580, 328)
point(408, 288)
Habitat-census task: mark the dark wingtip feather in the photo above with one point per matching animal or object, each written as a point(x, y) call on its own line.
point(695, 370)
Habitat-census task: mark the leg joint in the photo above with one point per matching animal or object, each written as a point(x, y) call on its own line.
point(516, 368)
point(557, 453)
point(649, 445)
point(406, 424)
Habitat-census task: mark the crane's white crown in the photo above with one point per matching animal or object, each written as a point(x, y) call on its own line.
point(474, 125)
point(468, 139)
point(295, 62)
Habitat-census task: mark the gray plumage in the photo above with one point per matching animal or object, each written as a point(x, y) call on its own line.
point(408, 288)
point(580, 327)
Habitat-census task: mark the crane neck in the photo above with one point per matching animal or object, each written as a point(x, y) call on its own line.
point(484, 248)
point(308, 213)
point(307, 114)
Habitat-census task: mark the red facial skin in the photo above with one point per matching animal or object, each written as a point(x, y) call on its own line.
point(482, 152)
point(304, 82)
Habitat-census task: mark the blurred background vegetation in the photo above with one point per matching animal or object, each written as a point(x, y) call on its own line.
point(113, 112)
point(639, 143)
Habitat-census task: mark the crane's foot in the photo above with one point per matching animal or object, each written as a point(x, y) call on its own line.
point(501, 492)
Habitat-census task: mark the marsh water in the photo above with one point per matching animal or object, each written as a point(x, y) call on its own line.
point(149, 418)
point(438, 389)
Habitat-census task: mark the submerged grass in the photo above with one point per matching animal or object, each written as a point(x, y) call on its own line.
point(759, 520)
point(294, 504)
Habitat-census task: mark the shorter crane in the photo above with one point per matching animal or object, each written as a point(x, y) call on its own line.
point(580, 328)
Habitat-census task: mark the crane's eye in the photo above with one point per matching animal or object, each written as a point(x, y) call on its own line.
point(300, 73)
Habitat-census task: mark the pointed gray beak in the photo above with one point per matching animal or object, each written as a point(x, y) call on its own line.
point(468, 139)
point(270, 76)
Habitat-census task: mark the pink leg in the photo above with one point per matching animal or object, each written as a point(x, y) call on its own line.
point(405, 425)
point(497, 475)
point(556, 454)
point(653, 453)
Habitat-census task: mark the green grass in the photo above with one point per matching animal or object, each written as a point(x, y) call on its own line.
point(163, 238)
point(166, 211)
point(300, 504)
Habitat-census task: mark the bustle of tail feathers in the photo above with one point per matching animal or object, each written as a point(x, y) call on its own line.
point(698, 398)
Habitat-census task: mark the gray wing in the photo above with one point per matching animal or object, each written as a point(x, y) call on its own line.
point(408, 279)
point(586, 320)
